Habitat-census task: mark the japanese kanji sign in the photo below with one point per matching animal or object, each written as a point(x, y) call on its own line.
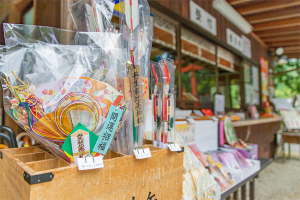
point(136, 88)
point(108, 130)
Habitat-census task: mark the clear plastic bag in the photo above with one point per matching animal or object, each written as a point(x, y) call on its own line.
point(168, 100)
point(136, 38)
point(92, 15)
point(49, 89)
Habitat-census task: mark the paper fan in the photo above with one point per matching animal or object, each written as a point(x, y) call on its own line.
point(229, 131)
point(70, 101)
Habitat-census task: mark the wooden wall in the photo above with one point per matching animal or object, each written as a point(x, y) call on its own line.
point(181, 7)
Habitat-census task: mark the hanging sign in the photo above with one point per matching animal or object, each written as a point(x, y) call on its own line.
point(234, 40)
point(246, 46)
point(199, 16)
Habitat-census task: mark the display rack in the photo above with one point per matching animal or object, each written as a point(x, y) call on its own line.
point(264, 162)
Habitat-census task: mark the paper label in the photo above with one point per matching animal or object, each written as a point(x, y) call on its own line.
point(142, 153)
point(138, 110)
point(174, 147)
point(127, 91)
point(109, 128)
point(80, 144)
point(90, 163)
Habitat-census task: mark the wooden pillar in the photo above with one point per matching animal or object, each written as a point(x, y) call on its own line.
point(66, 21)
point(242, 86)
point(178, 52)
point(47, 12)
point(244, 191)
point(217, 70)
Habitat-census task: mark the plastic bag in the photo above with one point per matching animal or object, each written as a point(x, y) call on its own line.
point(92, 15)
point(168, 100)
point(49, 89)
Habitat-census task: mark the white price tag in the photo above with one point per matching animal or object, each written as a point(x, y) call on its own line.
point(87, 163)
point(174, 147)
point(142, 153)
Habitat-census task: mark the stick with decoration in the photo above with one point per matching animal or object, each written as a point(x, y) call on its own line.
point(155, 105)
point(132, 21)
point(166, 105)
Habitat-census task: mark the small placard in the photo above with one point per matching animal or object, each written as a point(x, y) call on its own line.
point(234, 40)
point(174, 147)
point(202, 18)
point(142, 153)
point(90, 162)
point(108, 131)
point(136, 88)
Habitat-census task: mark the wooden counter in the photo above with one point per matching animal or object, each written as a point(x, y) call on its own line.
point(261, 132)
point(250, 122)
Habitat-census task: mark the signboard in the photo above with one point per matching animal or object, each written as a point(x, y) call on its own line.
point(246, 46)
point(199, 16)
point(234, 40)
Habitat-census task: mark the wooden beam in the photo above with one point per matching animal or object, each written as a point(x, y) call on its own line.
point(277, 24)
point(287, 49)
point(281, 73)
point(281, 38)
point(259, 7)
point(292, 48)
point(238, 2)
point(292, 52)
point(293, 55)
point(271, 15)
point(277, 31)
point(283, 44)
point(258, 39)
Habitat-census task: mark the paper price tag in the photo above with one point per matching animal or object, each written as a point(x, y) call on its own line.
point(90, 163)
point(142, 153)
point(174, 147)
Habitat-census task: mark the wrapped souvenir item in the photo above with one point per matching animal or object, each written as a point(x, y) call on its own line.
point(231, 166)
point(92, 15)
point(135, 29)
point(156, 97)
point(168, 100)
point(54, 93)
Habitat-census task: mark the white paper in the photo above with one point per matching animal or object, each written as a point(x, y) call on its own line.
point(246, 46)
point(142, 153)
point(282, 104)
point(206, 137)
point(90, 163)
point(91, 21)
point(219, 104)
point(174, 147)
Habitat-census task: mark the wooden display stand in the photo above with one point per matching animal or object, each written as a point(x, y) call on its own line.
point(32, 173)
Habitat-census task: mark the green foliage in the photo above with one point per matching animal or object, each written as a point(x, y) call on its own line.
point(287, 84)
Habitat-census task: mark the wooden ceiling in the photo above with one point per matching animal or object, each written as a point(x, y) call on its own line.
point(275, 22)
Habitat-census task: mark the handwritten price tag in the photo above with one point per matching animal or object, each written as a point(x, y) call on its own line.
point(142, 153)
point(90, 163)
point(174, 147)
